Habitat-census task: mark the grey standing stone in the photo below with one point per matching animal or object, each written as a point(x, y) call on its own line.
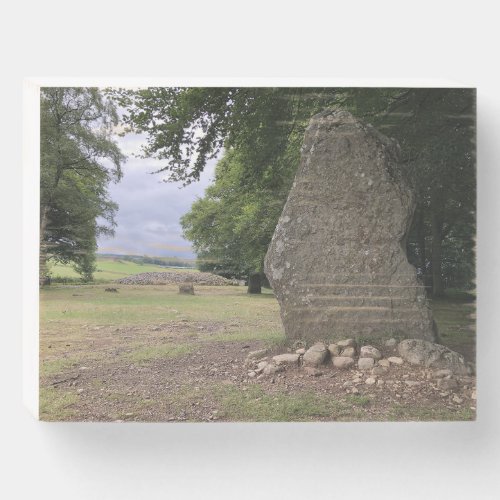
point(336, 261)
point(186, 289)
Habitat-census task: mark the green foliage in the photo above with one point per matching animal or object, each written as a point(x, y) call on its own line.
point(231, 226)
point(261, 130)
point(78, 159)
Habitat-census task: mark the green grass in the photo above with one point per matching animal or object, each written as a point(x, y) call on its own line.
point(455, 324)
point(109, 269)
point(55, 403)
point(55, 366)
point(140, 305)
point(257, 405)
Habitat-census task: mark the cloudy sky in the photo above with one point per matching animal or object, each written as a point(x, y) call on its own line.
point(150, 209)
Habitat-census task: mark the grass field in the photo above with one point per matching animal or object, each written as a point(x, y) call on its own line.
point(147, 353)
point(108, 269)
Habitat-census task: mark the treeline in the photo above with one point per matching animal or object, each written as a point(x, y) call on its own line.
point(260, 131)
point(159, 261)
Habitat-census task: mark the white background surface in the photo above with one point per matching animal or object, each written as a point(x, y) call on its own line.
point(380, 41)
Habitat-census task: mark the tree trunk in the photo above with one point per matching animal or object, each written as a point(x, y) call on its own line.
point(437, 245)
point(42, 262)
point(254, 283)
point(420, 240)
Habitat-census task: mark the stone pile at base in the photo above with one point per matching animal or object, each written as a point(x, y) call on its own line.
point(346, 354)
point(337, 261)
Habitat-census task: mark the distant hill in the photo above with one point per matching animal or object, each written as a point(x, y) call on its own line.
point(111, 267)
point(146, 259)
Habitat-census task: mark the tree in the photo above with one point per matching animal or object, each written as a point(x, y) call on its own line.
point(435, 128)
point(78, 159)
point(231, 226)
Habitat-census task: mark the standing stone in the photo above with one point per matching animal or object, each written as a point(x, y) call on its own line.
point(186, 289)
point(337, 262)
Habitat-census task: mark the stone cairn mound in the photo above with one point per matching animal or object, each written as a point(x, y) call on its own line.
point(445, 367)
point(169, 278)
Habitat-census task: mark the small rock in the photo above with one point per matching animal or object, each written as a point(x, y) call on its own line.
point(316, 355)
point(368, 351)
point(425, 353)
point(342, 362)
point(287, 359)
point(473, 395)
point(348, 352)
point(370, 381)
point(380, 382)
point(390, 342)
point(412, 383)
point(447, 384)
point(312, 372)
point(365, 363)
point(79, 391)
point(252, 374)
point(457, 399)
point(378, 370)
point(271, 369)
point(442, 373)
point(300, 351)
point(334, 350)
point(357, 380)
point(355, 390)
point(384, 362)
point(347, 343)
point(257, 354)
point(260, 367)
point(395, 360)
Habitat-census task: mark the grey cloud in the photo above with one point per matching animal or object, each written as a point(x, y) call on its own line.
point(150, 209)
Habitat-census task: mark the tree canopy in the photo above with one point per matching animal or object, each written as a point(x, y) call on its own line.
point(261, 130)
point(78, 159)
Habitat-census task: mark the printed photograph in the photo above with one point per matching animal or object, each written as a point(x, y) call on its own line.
point(257, 254)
